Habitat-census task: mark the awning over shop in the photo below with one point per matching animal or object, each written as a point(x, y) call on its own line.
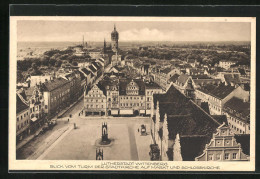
point(142, 111)
point(114, 112)
point(34, 119)
point(126, 111)
point(148, 111)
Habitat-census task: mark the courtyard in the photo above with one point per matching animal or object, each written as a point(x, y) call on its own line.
point(81, 143)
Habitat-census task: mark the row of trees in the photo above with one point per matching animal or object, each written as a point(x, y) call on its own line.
point(50, 59)
point(202, 56)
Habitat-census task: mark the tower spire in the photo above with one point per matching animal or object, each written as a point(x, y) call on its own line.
point(114, 26)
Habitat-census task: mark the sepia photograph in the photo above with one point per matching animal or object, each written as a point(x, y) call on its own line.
point(132, 93)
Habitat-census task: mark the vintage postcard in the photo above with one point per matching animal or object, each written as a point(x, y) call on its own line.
point(132, 93)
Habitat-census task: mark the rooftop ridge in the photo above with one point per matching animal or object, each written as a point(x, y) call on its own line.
point(206, 113)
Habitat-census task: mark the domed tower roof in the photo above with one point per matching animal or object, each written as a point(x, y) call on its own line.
point(114, 32)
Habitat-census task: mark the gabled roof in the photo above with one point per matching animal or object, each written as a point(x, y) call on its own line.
point(152, 85)
point(20, 105)
point(194, 122)
point(239, 106)
point(220, 118)
point(86, 71)
point(183, 78)
point(92, 68)
point(172, 102)
point(241, 71)
point(232, 78)
point(54, 84)
point(196, 143)
point(97, 65)
point(28, 92)
point(166, 70)
point(82, 76)
point(174, 78)
point(244, 140)
point(205, 107)
point(124, 82)
point(218, 91)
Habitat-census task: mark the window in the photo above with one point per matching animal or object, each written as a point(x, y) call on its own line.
point(226, 156)
point(17, 119)
point(210, 157)
point(218, 157)
point(234, 155)
point(46, 107)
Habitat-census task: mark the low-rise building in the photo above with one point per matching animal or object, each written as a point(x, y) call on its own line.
point(56, 95)
point(34, 96)
point(22, 118)
point(151, 89)
point(218, 95)
point(95, 100)
point(178, 118)
point(238, 114)
point(226, 64)
point(75, 85)
point(225, 146)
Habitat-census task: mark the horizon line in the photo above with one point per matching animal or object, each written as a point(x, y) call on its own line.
point(149, 41)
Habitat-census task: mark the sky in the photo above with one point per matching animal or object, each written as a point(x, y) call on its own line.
point(32, 30)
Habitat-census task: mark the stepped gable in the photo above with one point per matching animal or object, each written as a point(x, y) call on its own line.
point(20, 105)
point(124, 82)
point(196, 143)
point(244, 140)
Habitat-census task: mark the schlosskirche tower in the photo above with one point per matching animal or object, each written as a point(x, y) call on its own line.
point(114, 39)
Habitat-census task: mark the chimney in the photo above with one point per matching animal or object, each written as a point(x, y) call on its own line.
point(198, 102)
point(244, 99)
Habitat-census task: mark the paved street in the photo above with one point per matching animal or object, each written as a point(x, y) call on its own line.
point(37, 145)
point(127, 143)
point(65, 143)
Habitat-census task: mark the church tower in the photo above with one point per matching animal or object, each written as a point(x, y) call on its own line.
point(114, 39)
point(105, 45)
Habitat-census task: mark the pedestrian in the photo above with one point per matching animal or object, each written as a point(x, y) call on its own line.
point(138, 130)
point(68, 119)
